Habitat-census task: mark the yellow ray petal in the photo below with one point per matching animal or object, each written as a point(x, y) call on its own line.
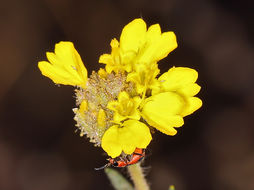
point(158, 45)
point(106, 59)
point(193, 104)
point(110, 142)
point(162, 111)
point(153, 32)
point(58, 75)
point(65, 66)
point(166, 44)
point(133, 134)
point(190, 90)
point(177, 78)
point(133, 35)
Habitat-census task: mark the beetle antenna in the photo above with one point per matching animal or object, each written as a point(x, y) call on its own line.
point(105, 166)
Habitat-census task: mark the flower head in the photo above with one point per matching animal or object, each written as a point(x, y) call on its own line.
point(117, 106)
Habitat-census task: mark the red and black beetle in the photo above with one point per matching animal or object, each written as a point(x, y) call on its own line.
point(121, 162)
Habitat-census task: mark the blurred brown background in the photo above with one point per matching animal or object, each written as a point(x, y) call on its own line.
point(39, 149)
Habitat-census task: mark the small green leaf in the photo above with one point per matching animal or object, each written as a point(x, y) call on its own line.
point(117, 180)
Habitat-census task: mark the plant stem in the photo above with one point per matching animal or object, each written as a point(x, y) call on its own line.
point(138, 177)
point(117, 180)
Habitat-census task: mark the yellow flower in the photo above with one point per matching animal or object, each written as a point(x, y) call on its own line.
point(138, 46)
point(144, 77)
point(131, 135)
point(173, 100)
point(182, 80)
point(125, 107)
point(65, 66)
point(162, 111)
point(156, 46)
point(116, 104)
point(115, 61)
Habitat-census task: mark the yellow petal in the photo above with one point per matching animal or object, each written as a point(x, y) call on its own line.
point(162, 111)
point(58, 75)
point(125, 107)
point(68, 58)
point(110, 142)
point(133, 35)
point(181, 80)
point(133, 134)
point(192, 104)
point(177, 78)
point(158, 45)
point(118, 117)
point(168, 102)
point(123, 96)
point(102, 73)
point(166, 44)
point(114, 44)
point(106, 59)
point(190, 90)
point(65, 66)
point(153, 32)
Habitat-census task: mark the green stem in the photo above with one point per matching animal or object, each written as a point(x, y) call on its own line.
point(138, 177)
point(117, 180)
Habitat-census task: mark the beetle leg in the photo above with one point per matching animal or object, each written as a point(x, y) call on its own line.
point(105, 166)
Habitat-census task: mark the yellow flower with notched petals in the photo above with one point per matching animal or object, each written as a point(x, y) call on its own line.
point(131, 135)
point(162, 111)
point(115, 105)
point(144, 77)
point(182, 80)
point(138, 46)
point(125, 107)
point(157, 45)
point(115, 61)
point(65, 66)
point(173, 100)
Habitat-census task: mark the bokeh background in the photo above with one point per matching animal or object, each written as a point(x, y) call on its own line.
point(39, 149)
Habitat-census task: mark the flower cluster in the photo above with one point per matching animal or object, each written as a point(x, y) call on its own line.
point(119, 104)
